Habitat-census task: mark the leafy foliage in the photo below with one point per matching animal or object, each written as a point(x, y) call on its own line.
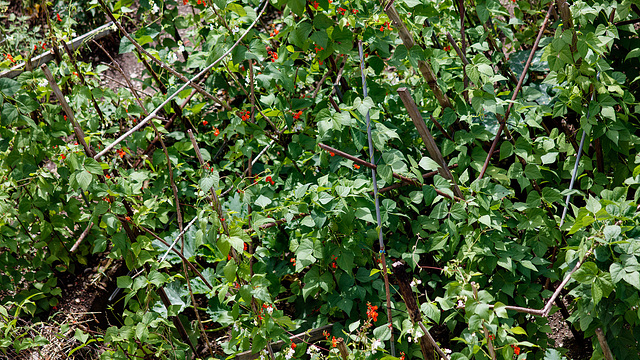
point(293, 245)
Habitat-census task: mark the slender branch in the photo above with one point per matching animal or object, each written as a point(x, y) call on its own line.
point(407, 180)
point(603, 343)
point(81, 238)
point(158, 61)
point(547, 308)
point(187, 83)
point(180, 255)
point(516, 91)
point(427, 138)
point(65, 46)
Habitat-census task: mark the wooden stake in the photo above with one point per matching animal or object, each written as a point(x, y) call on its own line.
point(427, 138)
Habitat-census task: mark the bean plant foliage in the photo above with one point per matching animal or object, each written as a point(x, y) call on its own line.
point(277, 235)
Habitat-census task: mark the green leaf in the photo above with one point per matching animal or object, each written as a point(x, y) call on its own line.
point(428, 164)
point(9, 86)
point(611, 232)
point(230, 271)
point(84, 179)
point(263, 201)
point(518, 331)
point(124, 282)
point(593, 205)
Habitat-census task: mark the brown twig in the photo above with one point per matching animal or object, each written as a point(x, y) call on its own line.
point(158, 61)
point(604, 345)
point(515, 92)
point(401, 184)
point(407, 180)
point(427, 138)
point(65, 46)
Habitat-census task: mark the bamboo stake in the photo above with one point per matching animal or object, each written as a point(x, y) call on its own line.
point(427, 138)
point(515, 92)
point(423, 66)
point(604, 345)
point(377, 204)
point(404, 179)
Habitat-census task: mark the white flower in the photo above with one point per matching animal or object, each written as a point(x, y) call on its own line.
point(447, 351)
point(409, 338)
point(289, 354)
point(211, 27)
point(180, 46)
point(414, 283)
point(172, 57)
point(235, 30)
point(410, 331)
point(397, 263)
point(460, 304)
point(270, 309)
point(155, 8)
point(375, 345)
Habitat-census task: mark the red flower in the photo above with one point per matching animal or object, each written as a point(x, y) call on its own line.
point(381, 28)
point(372, 312)
point(44, 45)
point(356, 166)
point(293, 345)
point(121, 153)
point(342, 10)
point(293, 261)
point(274, 33)
point(326, 334)
point(297, 115)
point(127, 218)
point(108, 176)
point(245, 246)
point(221, 219)
point(332, 153)
point(268, 179)
point(63, 156)
point(205, 123)
point(216, 132)
point(516, 350)
point(334, 342)
point(447, 48)
point(185, 2)
point(315, 5)
point(65, 118)
point(246, 115)
point(354, 11)
point(58, 16)
point(8, 56)
point(402, 357)
point(333, 265)
point(228, 257)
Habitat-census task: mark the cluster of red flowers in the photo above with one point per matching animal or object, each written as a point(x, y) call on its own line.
point(402, 357)
point(342, 10)
point(318, 48)
point(492, 337)
point(204, 3)
point(386, 23)
point(293, 261)
point(446, 48)
point(296, 115)
point(315, 5)
point(185, 2)
point(333, 264)
point(293, 345)
point(43, 44)
point(269, 180)
point(334, 341)
point(246, 115)
point(354, 11)
point(372, 312)
point(216, 131)
point(8, 56)
point(274, 55)
point(121, 153)
point(274, 33)
point(516, 349)
point(356, 166)
point(58, 16)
